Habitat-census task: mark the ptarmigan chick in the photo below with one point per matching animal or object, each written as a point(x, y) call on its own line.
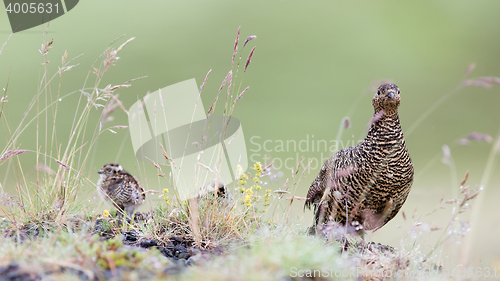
point(216, 187)
point(120, 189)
point(364, 186)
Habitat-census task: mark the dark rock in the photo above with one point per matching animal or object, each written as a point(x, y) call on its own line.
point(180, 248)
point(130, 237)
point(176, 239)
point(166, 252)
point(148, 243)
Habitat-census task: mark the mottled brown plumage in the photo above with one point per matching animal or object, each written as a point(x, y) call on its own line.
point(120, 189)
point(364, 186)
point(210, 189)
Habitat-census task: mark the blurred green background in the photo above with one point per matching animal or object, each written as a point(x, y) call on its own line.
point(314, 63)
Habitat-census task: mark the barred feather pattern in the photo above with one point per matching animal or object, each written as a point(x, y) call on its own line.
point(120, 189)
point(364, 186)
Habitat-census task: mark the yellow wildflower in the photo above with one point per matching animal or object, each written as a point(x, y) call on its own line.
point(258, 167)
point(239, 170)
point(266, 198)
point(105, 213)
point(165, 196)
point(256, 178)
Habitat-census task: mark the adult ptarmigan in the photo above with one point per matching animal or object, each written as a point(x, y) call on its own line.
point(364, 186)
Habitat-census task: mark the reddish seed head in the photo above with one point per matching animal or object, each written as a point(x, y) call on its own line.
point(12, 152)
point(469, 69)
point(249, 59)
point(480, 137)
point(205, 81)
point(236, 45)
point(249, 38)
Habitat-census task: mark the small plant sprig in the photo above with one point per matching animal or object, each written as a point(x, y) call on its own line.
point(250, 194)
point(165, 196)
point(267, 202)
point(105, 213)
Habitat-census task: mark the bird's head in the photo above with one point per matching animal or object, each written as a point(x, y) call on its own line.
point(387, 98)
point(109, 169)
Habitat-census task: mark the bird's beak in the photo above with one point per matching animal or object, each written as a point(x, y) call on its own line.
point(99, 172)
point(390, 95)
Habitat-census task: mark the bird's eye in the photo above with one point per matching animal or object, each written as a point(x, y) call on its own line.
point(378, 92)
point(398, 92)
point(108, 170)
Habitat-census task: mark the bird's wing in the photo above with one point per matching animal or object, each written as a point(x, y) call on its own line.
point(139, 187)
point(344, 169)
point(319, 185)
point(119, 187)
